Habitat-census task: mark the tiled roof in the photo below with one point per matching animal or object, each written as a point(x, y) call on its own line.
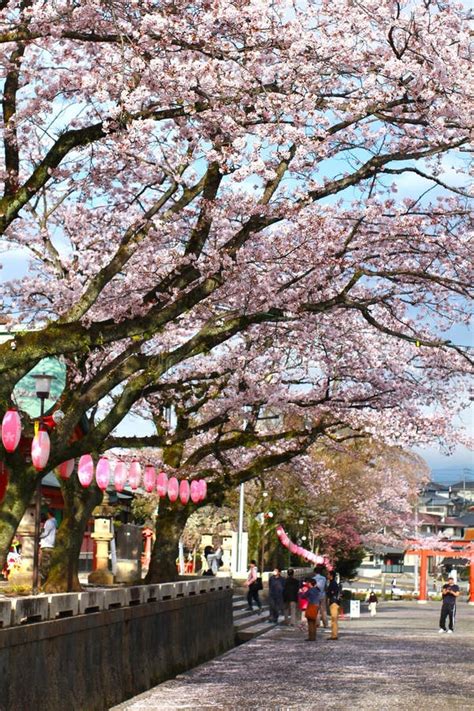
point(468, 485)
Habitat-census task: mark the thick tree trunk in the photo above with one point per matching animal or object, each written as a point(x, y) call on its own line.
point(78, 506)
point(170, 524)
point(21, 487)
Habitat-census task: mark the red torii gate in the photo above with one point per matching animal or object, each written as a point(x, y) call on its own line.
point(458, 549)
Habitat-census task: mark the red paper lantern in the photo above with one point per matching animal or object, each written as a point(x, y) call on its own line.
point(11, 430)
point(65, 469)
point(184, 491)
point(149, 479)
point(135, 475)
point(173, 489)
point(102, 473)
point(85, 470)
point(195, 491)
point(161, 484)
point(40, 448)
point(120, 476)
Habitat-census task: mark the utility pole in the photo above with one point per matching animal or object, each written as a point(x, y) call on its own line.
point(240, 530)
point(415, 583)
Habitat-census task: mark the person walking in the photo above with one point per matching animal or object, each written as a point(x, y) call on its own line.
point(47, 541)
point(372, 600)
point(253, 587)
point(275, 597)
point(290, 598)
point(313, 596)
point(333, 594)
point(321, 582)
point(450, 594)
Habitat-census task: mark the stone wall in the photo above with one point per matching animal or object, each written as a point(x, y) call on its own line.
point(92, 661)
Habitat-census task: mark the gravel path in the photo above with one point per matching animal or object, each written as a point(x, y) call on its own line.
point(396, 660)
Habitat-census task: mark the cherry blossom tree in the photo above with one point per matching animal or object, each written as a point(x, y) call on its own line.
point(359, 492)
point(250, 182)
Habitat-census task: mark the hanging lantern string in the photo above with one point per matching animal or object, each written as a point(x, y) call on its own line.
point(184, 490)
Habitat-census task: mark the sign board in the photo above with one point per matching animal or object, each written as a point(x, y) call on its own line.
point(354, 609)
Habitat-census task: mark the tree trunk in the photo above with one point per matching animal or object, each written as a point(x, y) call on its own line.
point(78, 506)
point(19, 493)
point(170, 524)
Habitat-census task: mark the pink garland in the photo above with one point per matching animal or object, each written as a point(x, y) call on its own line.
point(302, 552)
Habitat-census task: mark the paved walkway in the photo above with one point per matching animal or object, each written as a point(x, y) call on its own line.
point(396, 660)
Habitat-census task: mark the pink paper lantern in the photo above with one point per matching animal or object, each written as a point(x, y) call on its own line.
point(161, 484)
point(173, 489)
point(11, 430)
point(149, 479)
point(319, 560)
point(40, 448)
point(65, 469)
point(202, 489)
point(195, 492)
point(102, 473)
point(293, 547)
point(120, 476)
point(85, 470)
point(184, 491)
point(135, 475)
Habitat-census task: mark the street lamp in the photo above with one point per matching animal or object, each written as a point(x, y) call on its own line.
point(43, 389)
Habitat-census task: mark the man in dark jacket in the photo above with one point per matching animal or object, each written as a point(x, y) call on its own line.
point(333, 594)
point(275, 598)
point(290, 598)
point(450, 593)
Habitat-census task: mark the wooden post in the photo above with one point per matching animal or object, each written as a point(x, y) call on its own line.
point(423, 597)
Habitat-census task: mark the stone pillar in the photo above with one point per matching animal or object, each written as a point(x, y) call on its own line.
point(102, 536)
point(227, 538)
point(26, 535)
point(423, 596)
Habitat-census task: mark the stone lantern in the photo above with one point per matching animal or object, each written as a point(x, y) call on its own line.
point(102, 535)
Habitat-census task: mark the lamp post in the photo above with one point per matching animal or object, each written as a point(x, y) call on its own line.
point(268, 514)
point(43, 389)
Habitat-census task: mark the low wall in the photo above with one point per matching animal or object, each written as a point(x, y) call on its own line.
point(95, 660)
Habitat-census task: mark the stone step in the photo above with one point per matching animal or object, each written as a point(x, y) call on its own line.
point(255, 630)
point(248, 623)
point(244, 612)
